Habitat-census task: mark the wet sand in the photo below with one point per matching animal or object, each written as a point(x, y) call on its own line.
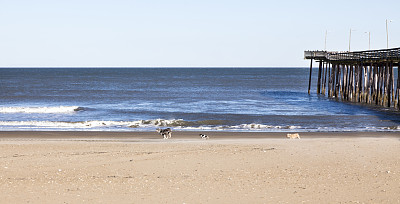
point(230, 167)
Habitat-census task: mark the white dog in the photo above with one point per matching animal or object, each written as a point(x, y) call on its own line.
point(203, 136)
point(293, 136)
point(166, 133)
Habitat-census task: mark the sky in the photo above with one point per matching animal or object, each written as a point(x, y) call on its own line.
point(188, 33)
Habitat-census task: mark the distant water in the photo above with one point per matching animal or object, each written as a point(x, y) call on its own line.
point(142, 99)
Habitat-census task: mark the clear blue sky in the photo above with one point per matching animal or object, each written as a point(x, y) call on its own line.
point(179, 33)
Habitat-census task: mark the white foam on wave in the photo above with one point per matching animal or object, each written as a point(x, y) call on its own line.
point(262, 126)
point(253, 127)
point(52, 109)
point(87, 124)
point(143, 125)
point(150, 125)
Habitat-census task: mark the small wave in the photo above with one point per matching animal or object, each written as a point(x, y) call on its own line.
point(144, 125)
point(261, 126)
point(179, 124)
point(391, 128)
point(91, 124)
point(52, 109)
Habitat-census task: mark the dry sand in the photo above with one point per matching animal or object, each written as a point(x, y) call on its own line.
point(105, 167)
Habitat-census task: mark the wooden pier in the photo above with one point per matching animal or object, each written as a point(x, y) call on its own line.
point(363, 77)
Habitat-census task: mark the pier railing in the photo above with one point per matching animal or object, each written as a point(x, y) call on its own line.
point(366, 56)
point(362, 76)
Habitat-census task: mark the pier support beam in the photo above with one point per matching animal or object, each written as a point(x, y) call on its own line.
point(330, 81)
point(398, 88)
point(337, 80)
point(324, 78)
point(309, 81)
point(369, 88)
point(319, 77)
point(365, 84)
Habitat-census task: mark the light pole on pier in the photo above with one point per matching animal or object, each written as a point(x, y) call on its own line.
point(387, 33)
point(350, 39)
point(326, 33)
point(369, 40)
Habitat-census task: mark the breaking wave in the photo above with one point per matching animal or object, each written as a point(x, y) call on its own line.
point(179, 124)
point(52, 109)
point(139, 125)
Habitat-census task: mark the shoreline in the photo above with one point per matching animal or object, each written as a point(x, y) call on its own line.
point(186, 135)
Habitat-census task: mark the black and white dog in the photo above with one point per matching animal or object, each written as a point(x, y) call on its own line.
point(203, 136)
point(166, 133)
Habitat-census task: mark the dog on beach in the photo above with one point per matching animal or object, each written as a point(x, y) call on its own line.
point(293, 136)
point(166, 133)
point(203, 136)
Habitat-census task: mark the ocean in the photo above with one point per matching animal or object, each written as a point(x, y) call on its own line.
point(195, 99)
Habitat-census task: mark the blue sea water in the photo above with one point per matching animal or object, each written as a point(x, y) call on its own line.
point(142, 99)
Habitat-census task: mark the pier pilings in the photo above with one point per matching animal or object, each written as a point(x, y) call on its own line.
point(360, 77)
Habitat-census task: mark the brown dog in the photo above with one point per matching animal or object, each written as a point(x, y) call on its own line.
point(293, 136)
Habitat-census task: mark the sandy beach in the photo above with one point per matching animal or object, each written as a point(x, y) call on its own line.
point(230, 167)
